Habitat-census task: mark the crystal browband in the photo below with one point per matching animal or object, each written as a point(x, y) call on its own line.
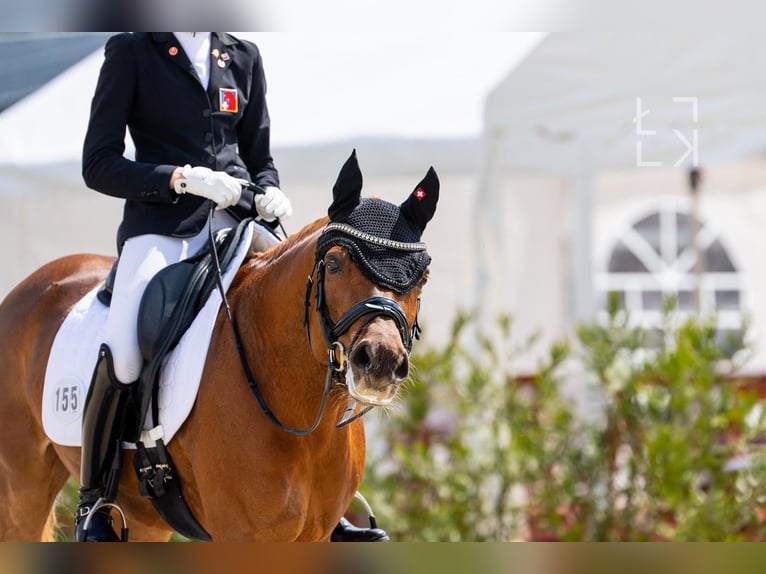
point(389, 243)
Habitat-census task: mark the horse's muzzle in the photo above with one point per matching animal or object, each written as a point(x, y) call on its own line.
point(376, 371)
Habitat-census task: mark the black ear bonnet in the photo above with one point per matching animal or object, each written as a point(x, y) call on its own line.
point(382, 238)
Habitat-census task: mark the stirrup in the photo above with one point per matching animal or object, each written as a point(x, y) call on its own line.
point(347, 532)
point(103, 507)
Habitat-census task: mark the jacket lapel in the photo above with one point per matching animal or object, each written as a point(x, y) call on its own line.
point(222, 54)
point(171, 49)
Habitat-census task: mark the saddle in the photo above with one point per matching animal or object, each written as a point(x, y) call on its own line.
point(171, 301)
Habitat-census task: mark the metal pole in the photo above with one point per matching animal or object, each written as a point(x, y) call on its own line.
point(695, 176)
point(582, 263)
point(488, 246)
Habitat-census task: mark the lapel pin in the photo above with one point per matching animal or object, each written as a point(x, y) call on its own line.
point(221, 64)
point(225, 57)
point(215, 53)
point(173, 51)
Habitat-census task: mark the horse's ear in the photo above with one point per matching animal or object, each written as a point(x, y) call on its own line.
point(347, 189)
point(420, 206)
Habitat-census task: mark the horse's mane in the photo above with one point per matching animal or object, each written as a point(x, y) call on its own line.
point(297, 238)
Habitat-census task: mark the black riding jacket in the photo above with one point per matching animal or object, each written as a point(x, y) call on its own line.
point(148, 85)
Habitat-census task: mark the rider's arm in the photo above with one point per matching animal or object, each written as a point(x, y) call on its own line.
point(104, 166)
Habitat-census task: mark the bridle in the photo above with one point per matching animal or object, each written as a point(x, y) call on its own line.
point(332, 331)
point(371, 308)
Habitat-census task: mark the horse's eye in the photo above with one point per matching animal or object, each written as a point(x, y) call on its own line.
point(333, 265)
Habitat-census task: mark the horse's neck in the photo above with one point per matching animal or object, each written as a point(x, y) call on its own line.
point(268, 304)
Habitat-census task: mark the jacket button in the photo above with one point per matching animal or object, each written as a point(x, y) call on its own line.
point(208, 137)
point(206, 113)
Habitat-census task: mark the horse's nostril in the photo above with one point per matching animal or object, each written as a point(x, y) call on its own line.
point(403, 370)
point(361, 357)
point(380, 361)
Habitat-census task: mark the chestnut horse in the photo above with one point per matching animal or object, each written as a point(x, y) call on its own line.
point(244, 478)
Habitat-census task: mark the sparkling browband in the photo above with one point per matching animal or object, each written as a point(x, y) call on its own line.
point(389, 243)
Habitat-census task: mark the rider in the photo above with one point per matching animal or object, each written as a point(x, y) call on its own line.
point(195, 105)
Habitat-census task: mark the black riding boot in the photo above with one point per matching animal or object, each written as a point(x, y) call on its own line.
point(347, 532)
point(103, 419)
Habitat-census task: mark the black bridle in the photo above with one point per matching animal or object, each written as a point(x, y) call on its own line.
point(372, 308)
point(369, 309)
point(332, 331)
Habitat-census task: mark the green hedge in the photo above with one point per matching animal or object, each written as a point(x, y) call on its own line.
point(648, 449)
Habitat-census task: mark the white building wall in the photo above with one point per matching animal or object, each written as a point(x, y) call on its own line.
point(530, 260)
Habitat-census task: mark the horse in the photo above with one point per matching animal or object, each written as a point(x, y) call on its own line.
point(244, 478)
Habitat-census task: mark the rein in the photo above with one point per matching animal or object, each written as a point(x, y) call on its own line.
point(245, 364)
point(332, 331)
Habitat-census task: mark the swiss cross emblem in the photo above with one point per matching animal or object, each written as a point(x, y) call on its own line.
point(228, 101)
point(419, 193)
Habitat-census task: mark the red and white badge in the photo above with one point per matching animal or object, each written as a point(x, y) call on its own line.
point(228, 100)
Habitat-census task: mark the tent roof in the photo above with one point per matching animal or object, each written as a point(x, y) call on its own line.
point(48, 126)
point(577, 94)
point(32, 59)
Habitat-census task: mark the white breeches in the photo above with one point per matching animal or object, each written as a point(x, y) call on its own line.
point(141, 258)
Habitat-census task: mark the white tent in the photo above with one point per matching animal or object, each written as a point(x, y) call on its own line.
point(580, 106)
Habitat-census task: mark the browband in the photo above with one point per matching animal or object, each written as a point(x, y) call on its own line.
point(369, 238)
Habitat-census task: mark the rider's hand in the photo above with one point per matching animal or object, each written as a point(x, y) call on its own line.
point(217, 186)
point(273, 204)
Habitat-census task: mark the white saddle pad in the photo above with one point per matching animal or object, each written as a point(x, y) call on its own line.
point(75, 350)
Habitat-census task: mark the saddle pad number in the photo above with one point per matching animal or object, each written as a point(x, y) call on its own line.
point(67, 399)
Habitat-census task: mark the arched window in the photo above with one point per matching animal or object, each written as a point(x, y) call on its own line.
point(654, 259)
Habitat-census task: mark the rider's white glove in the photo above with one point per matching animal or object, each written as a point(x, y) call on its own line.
point(218, 186)
point(273, 204)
